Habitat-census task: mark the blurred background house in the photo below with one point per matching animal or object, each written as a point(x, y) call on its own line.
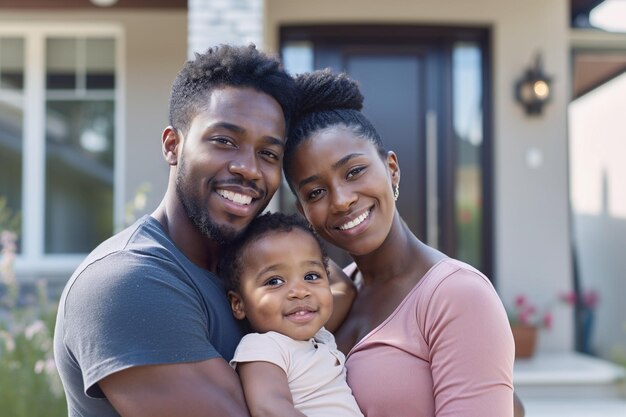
point(533, 196)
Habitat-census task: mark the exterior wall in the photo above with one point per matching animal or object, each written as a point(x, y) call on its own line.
point(532, 235)
point(597, 149)
point(153, 52)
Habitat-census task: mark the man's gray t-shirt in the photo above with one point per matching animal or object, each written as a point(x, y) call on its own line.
point(137, 300)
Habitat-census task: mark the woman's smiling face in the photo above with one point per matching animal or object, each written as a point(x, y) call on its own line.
point(344, 188)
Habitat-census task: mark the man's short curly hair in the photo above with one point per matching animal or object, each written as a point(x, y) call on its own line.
point(231, 263)
point(228, 66)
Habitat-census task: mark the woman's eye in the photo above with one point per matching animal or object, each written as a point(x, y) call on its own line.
point(274, 281)
point(314, 194)
point(355, 171)
point(312, 276)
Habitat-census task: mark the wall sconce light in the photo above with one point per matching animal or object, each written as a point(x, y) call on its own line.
point(533, 90)
point(103, 3)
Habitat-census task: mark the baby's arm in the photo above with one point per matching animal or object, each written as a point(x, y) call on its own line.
point(344, 293)
point(266, 390)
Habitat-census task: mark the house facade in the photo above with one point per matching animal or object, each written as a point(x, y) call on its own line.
point(83, 101)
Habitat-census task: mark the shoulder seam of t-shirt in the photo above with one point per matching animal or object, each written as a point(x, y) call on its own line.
point(454, 267)
point(271, 335)
point(143, 221)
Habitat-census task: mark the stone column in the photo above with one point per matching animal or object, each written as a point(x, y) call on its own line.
point(213, 22)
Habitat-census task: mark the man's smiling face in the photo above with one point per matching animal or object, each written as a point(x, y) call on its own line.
point(230, 164)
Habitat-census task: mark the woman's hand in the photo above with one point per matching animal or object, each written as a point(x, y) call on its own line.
point(344, 292)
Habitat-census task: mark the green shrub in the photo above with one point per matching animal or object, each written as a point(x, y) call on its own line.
point(28, 376)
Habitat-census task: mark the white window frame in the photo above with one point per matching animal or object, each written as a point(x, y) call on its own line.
point(33, 262)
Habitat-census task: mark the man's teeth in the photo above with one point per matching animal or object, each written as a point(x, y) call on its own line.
point(235, 197)
point(355, 222)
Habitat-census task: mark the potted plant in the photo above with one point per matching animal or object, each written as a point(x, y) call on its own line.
point(587, 303)
point(526, 320)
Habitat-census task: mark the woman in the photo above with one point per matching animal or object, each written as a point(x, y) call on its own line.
point(427, 335)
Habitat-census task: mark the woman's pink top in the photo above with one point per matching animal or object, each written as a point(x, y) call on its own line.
point(447, 350)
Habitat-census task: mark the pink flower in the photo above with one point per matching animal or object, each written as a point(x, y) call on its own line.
point(527, 314)
point(568, 297)
point(547, 320)
point(591, 298)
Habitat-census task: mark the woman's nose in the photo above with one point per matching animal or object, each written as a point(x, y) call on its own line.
point(342, 199)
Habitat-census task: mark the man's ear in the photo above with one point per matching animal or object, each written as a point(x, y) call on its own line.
point(394, 167)
point(236, 304)
point(172, 143)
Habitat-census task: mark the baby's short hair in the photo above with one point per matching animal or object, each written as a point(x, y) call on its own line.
point(230, 265)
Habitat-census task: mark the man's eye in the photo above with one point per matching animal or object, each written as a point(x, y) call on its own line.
point(270, 155)
point(223, 141)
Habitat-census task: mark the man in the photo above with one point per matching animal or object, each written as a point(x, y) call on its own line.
point(144, 327)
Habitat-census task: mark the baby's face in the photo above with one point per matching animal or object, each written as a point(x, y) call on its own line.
point(284, 286)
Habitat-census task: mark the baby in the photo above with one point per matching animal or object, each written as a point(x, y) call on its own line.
point(277, 274)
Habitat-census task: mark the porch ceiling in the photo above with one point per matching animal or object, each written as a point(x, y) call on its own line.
point(576, 6)
point(86, 4)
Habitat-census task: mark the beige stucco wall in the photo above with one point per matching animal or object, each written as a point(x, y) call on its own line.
point(154, 49)
point(531, 204)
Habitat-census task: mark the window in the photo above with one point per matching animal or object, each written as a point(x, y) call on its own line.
point(11, 120)
point(80, 105)
point(59, 106)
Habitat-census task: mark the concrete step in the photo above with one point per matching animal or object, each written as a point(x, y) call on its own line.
point(568, 375)
point(575, 408)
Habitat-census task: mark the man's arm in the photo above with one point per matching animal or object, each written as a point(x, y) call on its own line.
point(267, 390)
point(207, 388)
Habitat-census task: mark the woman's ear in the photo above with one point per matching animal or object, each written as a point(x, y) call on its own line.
point(394, 167)
point(236, 304)
point(171, 141)
point(299, 207)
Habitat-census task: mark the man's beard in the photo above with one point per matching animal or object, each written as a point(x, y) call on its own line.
point(198, 212)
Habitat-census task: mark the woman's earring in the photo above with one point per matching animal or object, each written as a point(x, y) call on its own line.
point(396, 192)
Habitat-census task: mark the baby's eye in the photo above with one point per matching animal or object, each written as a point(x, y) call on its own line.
point(312, 276)
point(274, 281)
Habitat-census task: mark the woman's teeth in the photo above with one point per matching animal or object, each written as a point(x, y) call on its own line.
point(355, 222)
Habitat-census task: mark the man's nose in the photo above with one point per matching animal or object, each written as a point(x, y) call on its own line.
point(245, 164)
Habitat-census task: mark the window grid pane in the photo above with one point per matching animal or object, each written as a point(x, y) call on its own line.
point(11, 132)
point(79, 144)
point(11, 64)
point(468, 131)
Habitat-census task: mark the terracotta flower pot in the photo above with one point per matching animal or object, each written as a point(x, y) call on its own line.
point(525, 340)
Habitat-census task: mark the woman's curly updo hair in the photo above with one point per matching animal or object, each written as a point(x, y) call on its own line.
point(327, 99)
point(228, 66)
point(231, 261)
